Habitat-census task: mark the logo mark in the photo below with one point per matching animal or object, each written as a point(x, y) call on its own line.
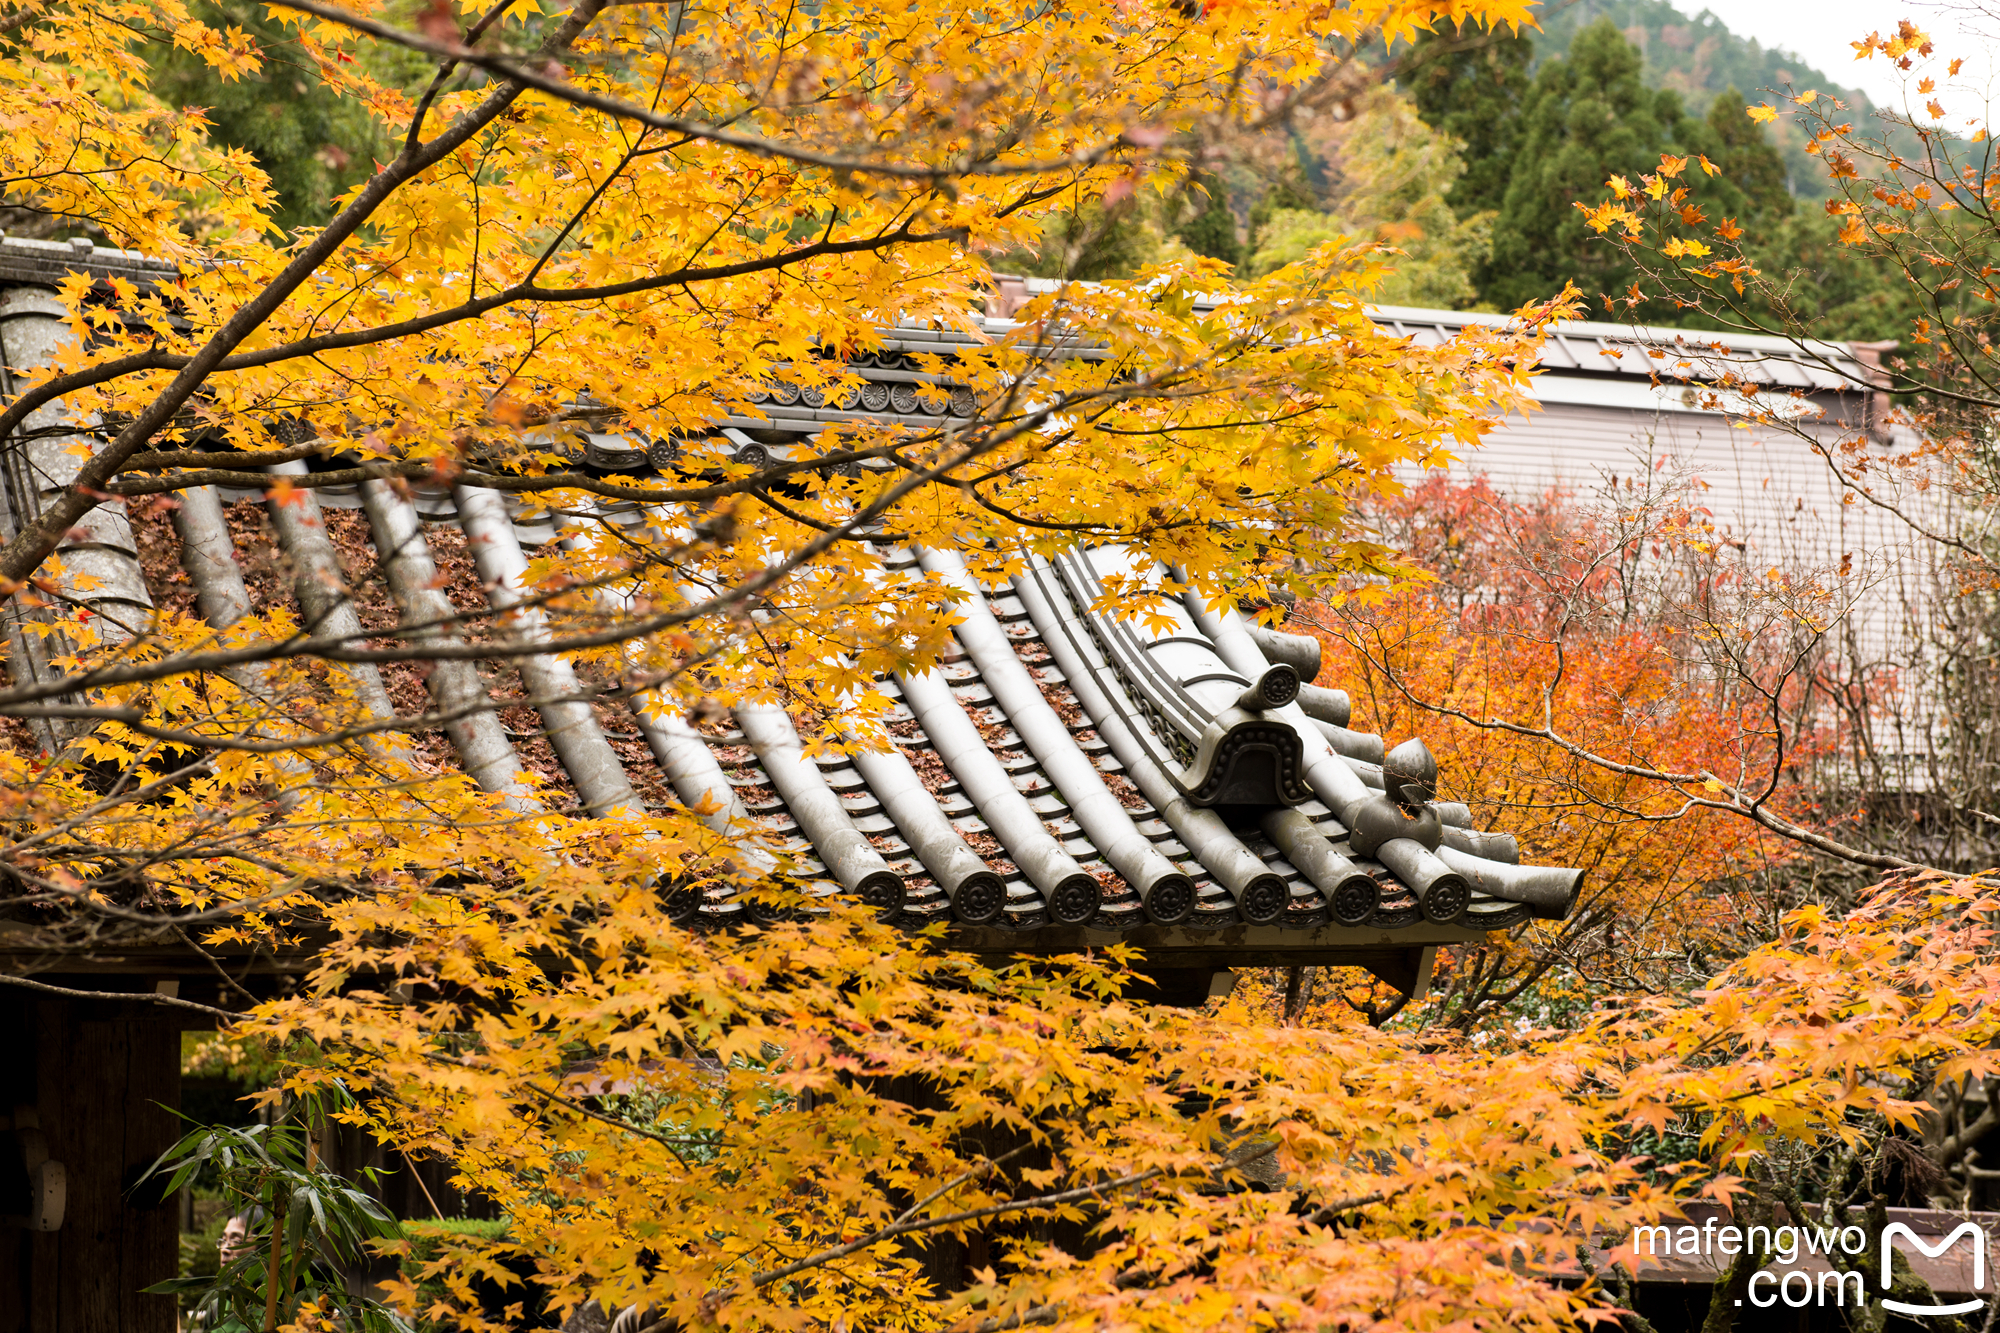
point(1895, 1229)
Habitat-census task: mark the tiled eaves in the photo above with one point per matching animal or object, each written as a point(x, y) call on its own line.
point(1155, 698)
point(1158, 702)
point(25, 262)
point(1162, 707)
point(1627, 351)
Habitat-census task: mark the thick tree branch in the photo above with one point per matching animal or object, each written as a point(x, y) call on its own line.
point(521, 70)
point(125, 997)
point(39, 539)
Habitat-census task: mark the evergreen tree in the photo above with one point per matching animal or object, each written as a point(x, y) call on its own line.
point(1211, 230)
point(1747, 158)
point(1701, 57)
point(311, 141)
point(1474, 86)
point(1588, 117)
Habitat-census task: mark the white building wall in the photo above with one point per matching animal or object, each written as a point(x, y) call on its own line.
point(1773, 502)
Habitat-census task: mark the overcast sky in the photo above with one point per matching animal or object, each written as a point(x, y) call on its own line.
point(1819, 31)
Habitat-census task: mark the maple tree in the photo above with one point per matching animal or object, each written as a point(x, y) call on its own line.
point(628, 220)
point(1565, 650)
point(1591, 618)
point(1098, 1151)
point(546, 253)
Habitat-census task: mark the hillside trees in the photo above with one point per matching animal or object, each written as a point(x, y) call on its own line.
point(1474, 86)
point(1697, 56)
point(1586, 117)
point(1391, 174)
point(1748, 161)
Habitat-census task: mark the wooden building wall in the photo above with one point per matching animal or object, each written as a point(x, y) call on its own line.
point(103, 1081)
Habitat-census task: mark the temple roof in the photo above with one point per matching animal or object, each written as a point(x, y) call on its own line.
point(1576, 346)
point(1065, 768)
point(1063, 778)
point(1062, 773)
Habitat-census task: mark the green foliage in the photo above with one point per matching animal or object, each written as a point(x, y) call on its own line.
point(423, 1235)
point(1747, 159)
point(1474, 86)
point(1835, 290)
point(311, 141)
point(1211, 230)
point(1292, 191)
point(1394, 175)
point(432, 1240)
point(251, 1064)
point(1088, 243)
point(1700, 59)
point(200, 1257)
point(1596, 106)
point(1589, 117)
point(1290, 234)
point(311, 1221)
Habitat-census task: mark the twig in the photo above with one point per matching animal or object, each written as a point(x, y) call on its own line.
point(890, 1232)
point(613, 1121)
